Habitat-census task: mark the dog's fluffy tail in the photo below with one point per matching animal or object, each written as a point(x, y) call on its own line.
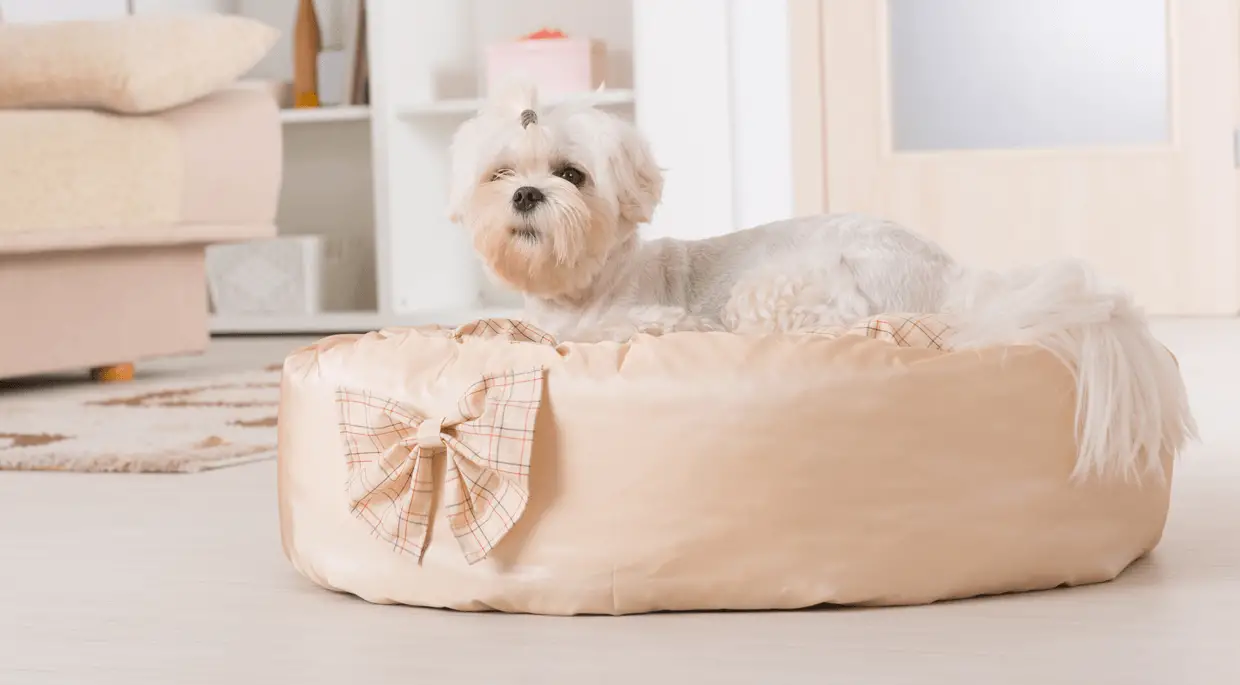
point(1131, 403)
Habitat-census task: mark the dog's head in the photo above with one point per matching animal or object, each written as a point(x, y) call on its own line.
point(548, 195)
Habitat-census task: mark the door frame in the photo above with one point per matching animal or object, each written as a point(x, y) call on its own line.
point(808, 107)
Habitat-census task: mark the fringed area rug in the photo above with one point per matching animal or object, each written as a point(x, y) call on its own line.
point(161, 425)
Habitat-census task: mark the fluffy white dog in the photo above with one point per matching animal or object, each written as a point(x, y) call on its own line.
point(553, 201)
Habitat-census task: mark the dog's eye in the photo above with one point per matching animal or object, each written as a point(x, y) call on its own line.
point(572, 174)
point(501, 173)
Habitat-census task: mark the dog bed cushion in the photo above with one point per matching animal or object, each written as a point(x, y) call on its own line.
point(487, 468)
point(135, 65)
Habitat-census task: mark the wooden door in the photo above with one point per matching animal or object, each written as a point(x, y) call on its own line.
point(1013, 131)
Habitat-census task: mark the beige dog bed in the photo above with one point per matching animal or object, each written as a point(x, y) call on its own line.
point(486, 468)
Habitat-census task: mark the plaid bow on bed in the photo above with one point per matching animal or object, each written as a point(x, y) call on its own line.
point(488, 441)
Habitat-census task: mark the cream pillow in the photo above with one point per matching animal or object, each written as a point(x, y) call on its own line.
point(134, 65)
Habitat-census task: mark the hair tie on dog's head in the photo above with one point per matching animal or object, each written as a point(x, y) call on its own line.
point(528, 117)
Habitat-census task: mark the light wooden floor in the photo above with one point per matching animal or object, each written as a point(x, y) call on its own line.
point(180, 579)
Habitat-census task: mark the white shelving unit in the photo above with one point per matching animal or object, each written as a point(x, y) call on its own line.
point(706, 80)
point(346, 322)
point(425, 69)
point(609, 98)
point(324, 115)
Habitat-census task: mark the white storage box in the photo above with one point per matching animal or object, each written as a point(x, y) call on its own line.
point(278, 276)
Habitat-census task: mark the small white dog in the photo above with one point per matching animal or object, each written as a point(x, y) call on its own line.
point(553, 201)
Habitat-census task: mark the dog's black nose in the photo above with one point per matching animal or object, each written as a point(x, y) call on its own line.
point(527, 198)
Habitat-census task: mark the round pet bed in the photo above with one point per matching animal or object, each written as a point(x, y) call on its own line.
point(486, 468)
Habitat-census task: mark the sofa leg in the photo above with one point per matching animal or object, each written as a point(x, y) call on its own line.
point(116, 373)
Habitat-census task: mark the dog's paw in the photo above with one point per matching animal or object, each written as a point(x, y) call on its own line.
point(622, 326)
point(664, 320)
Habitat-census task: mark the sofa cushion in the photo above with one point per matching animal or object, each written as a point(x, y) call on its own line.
point(81, 179)
point(134, 65)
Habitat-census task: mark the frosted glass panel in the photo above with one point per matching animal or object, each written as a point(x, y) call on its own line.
point(972, 74)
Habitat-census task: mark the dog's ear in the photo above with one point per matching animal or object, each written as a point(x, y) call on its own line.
point(639, 180)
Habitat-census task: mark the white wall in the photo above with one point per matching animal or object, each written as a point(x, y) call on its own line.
point(66, 10)
point(713, 95)
point(761, 112)
point(682, 79)
point(22, 11)
point(183, 6)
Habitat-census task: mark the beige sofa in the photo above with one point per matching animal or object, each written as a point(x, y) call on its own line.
point(104, 219)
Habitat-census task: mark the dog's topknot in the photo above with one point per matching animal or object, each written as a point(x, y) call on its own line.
point(518, 101)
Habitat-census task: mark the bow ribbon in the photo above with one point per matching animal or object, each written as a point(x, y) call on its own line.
point(487, 442)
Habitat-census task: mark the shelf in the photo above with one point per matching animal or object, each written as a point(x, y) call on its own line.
point(323, 115)
point(344, 322)
point(603, 98)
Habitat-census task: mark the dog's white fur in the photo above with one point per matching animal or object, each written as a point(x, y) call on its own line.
point(587, 276)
